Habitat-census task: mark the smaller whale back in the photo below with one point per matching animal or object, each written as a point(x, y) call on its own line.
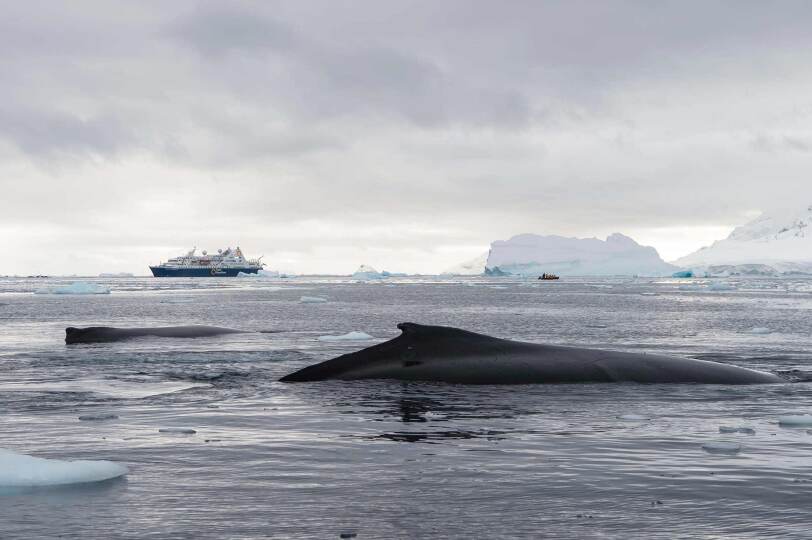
point(100, 334)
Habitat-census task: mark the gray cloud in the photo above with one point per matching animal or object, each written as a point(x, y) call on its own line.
point(428, 127)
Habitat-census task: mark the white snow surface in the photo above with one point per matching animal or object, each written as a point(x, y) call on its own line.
point(531, 254)
point(350, 336)
point(77, 287)
point(474, 267)
point(20, 470)
point(775, 242)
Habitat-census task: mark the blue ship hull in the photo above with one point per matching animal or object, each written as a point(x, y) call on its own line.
point(160, 271)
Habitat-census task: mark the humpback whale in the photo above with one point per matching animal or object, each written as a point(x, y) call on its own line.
point(452, 355)
point(96, 334)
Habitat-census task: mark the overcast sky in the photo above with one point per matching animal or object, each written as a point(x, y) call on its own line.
point(405, 135)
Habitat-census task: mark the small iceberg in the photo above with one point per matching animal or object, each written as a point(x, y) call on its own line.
point(20, 470)
point(350, 336)
point(722, 447)
point(77, 287)
point(737, 429)
point(804, 420)
point(759, 330)
point(632, 417)
point(312, 300)
point(366, 273)
point(683, 274)
point(184, 431)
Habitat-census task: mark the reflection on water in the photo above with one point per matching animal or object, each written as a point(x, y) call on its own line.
point(389, 459)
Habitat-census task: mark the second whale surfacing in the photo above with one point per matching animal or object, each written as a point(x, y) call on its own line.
point(452, 355)
point(97, 334)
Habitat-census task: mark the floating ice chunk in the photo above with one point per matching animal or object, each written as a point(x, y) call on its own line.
point(759, 330)
point(185, 431)
point(98, 417)
point(312, 300)
point(351, 336)
point(77, 287)
point(722, 447)
point(737, 429)
point(795, 421)
point(721, 287)
point(683, 274)
point(632, 417)
point(20, 470)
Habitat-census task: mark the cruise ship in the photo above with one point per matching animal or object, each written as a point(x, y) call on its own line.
point(226, 263)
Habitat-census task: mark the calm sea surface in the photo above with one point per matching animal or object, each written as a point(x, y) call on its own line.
point(384, 459)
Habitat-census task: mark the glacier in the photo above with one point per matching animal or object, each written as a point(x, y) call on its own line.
point(775, 243)
point(20, 470)
point(531, 255)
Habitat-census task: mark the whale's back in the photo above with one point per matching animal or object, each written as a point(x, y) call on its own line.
point(437, 353)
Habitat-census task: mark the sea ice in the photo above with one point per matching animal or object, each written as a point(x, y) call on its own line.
point(185, 431)
point(351, 336)
point(20, 470)
point(722, 447)
point(312, 300)
point(795, 421)
point(77, 287)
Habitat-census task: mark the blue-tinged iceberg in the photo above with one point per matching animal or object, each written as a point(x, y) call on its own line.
point(20, 470)
point(533, 255)
point(366, 273)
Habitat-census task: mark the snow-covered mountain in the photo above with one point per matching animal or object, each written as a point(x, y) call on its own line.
point(474, 267)
point(531, 254)
point(780, 240)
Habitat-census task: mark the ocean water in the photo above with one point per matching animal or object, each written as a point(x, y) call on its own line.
point(383, 459)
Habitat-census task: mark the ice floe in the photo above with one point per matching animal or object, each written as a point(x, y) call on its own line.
point(722, 447)
point(77, 287)
point(350, 336)
point(312, 300)
point(20, 470)
point(632, 417)
point(804, 420)
point(759, 330)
